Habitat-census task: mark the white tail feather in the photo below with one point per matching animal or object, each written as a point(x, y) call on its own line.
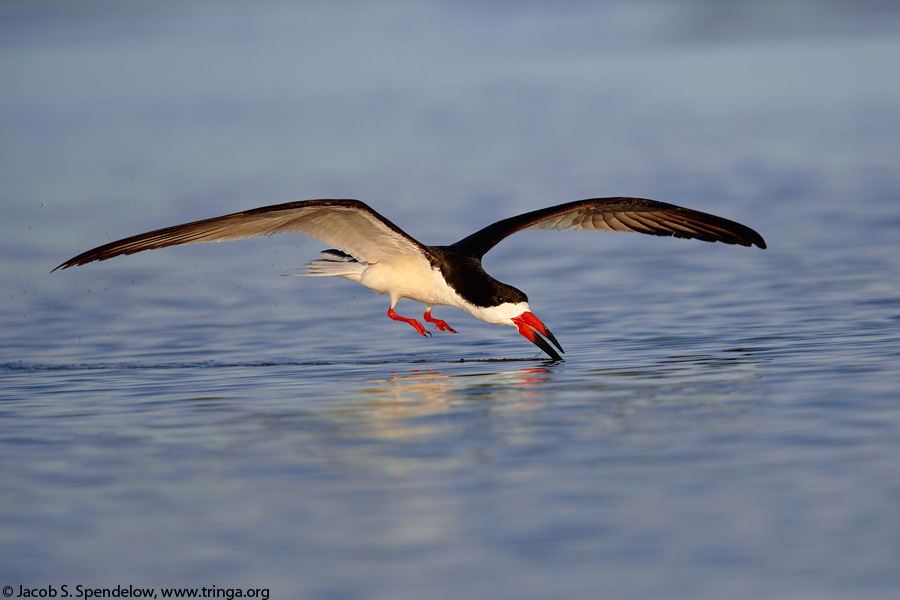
point(334, 263)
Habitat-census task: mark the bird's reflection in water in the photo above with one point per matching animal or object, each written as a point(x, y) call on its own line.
point(402, 404)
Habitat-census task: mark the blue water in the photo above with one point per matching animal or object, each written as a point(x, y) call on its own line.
point(726, 423)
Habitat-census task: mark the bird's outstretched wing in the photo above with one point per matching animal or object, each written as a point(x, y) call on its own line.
point(617, 214)
point(348, 225)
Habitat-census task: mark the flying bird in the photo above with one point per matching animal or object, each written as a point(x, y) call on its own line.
point(371, 250)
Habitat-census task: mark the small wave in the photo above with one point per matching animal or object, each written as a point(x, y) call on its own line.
point(23, 367)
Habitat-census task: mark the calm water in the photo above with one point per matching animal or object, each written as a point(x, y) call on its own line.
point(726, 424)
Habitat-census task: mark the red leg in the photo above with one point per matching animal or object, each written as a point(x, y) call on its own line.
point(418, 326)
point(441, 325)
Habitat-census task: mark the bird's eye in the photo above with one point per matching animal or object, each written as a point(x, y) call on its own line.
point(500, 298)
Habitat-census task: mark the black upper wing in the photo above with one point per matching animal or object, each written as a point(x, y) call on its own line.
point(617, 214)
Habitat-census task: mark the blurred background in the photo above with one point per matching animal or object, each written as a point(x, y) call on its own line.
point(179, 109)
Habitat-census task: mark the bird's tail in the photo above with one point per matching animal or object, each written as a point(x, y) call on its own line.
point(334, 263)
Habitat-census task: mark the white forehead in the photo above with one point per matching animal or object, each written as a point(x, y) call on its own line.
point(498, 315)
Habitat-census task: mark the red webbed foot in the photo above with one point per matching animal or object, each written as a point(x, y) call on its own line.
point(441, 325)
point(416, 325)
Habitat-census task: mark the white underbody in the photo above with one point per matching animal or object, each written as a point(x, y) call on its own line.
point(412, 278)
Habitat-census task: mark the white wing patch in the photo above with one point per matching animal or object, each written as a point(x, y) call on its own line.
point(358, 233)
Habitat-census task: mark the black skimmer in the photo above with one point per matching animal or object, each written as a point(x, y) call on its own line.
point(373, 251)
